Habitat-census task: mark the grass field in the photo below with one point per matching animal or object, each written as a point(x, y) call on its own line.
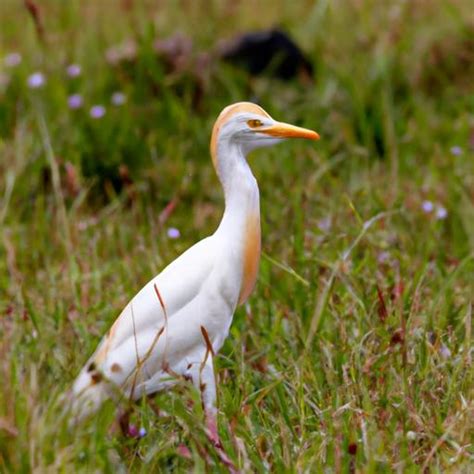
point(354, 353)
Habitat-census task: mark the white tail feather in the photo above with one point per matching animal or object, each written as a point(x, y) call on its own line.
point(87, 395)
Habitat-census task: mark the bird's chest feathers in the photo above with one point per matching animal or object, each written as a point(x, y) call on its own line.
point(250, 255)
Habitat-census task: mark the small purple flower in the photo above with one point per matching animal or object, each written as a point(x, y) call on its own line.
point(173, 233)
point(325, 224)
point(118, 98)
point(456, 150)
point(73, 70)
point(36, 80)
point(427, 206)
point(12, 59)
point(383, 257)
point(441, 213)
point(444, 352)
point(132, 431)
point(75, 101)
point(97, 111)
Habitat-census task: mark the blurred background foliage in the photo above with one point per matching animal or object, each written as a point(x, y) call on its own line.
point(374, 63)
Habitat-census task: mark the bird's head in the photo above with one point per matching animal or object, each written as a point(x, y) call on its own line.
point(247, 125)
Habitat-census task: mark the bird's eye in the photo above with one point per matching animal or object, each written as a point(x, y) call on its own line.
point(254, 123)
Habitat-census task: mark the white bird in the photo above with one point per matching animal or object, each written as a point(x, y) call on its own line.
point(177, 322)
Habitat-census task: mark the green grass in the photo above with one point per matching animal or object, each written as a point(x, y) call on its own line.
point(354, 353)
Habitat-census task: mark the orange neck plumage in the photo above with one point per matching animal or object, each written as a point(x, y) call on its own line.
point(251, 254)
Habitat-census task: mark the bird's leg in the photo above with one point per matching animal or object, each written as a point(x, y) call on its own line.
point(124, 421)
point(204, 380)
point(206, 383)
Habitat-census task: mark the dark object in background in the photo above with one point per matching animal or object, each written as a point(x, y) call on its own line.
point(174, 63)
point(271, 51)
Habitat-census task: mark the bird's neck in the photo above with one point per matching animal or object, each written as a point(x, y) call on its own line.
point(240, 223)
point(240, 187)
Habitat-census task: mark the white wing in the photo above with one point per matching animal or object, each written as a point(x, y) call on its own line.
point(161, 324)
point(178, 284)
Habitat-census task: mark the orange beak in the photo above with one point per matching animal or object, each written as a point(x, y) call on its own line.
point(285, 130)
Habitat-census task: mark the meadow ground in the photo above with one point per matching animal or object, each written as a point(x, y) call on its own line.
point(354, 353)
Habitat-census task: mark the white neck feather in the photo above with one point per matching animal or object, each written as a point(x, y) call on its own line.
point(240, 186)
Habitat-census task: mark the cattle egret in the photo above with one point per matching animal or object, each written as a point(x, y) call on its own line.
point(176, 323)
